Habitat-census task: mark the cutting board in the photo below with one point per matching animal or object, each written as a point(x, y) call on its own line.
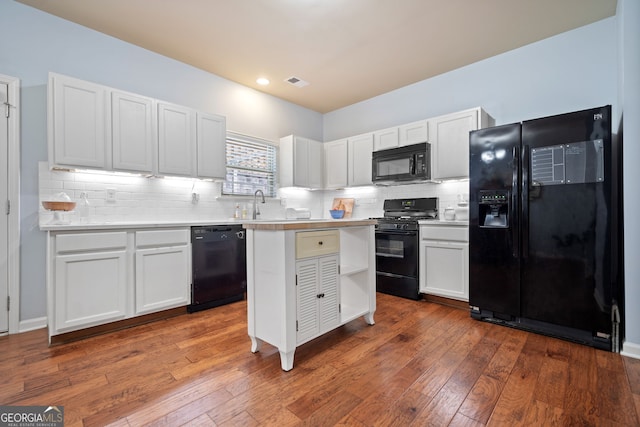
point(347, 203)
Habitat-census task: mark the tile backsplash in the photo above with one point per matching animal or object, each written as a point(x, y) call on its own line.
point(138, 198)
point(115, 197)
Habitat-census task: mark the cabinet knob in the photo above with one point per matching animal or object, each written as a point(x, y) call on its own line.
point(320, 242)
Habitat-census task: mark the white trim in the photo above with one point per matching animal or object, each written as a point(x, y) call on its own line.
point(13, 182)
point(630, 349)
point(33, 324)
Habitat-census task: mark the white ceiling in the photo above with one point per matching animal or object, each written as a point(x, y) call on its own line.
point(348, 50)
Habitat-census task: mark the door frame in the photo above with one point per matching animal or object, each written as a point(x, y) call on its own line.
point(13, 183)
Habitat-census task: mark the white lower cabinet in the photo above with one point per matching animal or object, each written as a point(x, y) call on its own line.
point(317, 298)
point(163, 270)
point(90, 280)
point(444, 261)
point(98, 277)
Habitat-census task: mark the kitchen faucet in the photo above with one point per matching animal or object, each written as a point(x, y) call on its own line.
point(256, 211)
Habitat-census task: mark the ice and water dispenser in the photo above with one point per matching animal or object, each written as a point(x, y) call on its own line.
point(493, 208)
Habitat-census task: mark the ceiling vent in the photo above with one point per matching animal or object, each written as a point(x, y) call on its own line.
point(296, 82)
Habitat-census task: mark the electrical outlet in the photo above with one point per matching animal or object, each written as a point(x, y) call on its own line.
point(111, 194)
point(195, 198)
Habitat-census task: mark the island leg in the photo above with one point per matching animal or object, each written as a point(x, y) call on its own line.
point(286, 359)
point(369, 318)
point(256, 343)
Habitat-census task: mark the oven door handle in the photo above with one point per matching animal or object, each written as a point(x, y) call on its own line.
point(382, 273)
point(397, 233)
point(380, 254)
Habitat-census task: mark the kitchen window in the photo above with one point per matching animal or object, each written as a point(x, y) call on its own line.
point(251, 166)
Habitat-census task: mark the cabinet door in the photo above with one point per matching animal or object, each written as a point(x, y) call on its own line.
point(176, 140)
point(307, 316)
point(211, 142)
point(444, 269)
point(384, 139)
point(360, 150)
point(301, 161)
point(414, 133)
point(79, 118)
point(315, 164)
point(162, 278)
point(335, 164)
point(90, 289)
point(318, 299)
point(450, 144)
point(132, 132)
point(329, 302)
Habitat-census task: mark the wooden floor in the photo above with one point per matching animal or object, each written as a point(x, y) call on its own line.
point(420, 364)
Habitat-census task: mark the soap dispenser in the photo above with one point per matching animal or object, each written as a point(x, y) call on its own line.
point(83, 208)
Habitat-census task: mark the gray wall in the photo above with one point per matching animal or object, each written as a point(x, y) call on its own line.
point(34, 43)
point(574, 70)
point(629, 94)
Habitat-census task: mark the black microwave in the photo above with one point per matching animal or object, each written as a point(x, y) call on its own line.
point(402, 164)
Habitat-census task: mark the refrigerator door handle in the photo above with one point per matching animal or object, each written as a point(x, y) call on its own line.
point(524, 201)
point(514, 204)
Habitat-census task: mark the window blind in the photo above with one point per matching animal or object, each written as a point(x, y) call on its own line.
point(251, 166)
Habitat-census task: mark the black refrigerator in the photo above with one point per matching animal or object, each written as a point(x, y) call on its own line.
point(543, 227)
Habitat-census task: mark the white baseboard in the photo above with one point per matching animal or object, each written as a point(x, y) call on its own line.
point(32, 324)
point(630, 349)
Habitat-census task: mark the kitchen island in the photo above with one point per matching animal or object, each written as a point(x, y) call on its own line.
point(305, 278)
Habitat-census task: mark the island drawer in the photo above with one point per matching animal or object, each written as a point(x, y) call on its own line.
point(317, 243)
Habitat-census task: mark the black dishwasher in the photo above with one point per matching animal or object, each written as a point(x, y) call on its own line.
point(219, 262)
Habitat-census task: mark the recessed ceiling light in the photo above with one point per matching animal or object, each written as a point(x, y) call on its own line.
point(262, 81)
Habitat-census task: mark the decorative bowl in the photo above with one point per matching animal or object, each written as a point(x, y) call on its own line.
point(336, 213)
point(59, 206)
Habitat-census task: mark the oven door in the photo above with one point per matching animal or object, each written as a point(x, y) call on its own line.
point(397, 253)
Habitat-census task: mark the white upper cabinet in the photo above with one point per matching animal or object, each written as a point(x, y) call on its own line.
point(348, 161)
point(359, 158)
point(77, 123)
point(211, 143)
point(335, 160)
point(98, 127)
point(301, 162)
point(414, 133)
point(133, 134)
point(176, 140)
point(450, 142)
point(385, 138)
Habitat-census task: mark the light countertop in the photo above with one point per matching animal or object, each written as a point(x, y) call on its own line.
point(306, 224)
point(443, 222)
point(264, 224)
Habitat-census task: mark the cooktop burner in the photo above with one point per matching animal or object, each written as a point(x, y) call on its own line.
point(411, 209)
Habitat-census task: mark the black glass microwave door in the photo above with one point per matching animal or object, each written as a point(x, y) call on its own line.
point(394, 167)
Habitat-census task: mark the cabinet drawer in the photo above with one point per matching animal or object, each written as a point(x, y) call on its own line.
point(442, 232)
point(316, 243)
point(82, 242)
point(174, 237)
